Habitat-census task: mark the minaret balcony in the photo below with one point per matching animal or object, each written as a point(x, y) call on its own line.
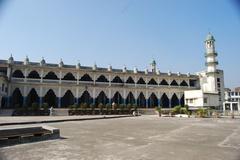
point(211, 63)
point(211, 54)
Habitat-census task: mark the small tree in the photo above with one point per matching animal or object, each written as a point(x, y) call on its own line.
point(202, 112)
point(45, 107)
point(100, 106)
point(159, 110)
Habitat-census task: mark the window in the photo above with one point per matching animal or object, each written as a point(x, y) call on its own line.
point(3, 87)
point(218, 79)
point(191, 100)
point(205, 100)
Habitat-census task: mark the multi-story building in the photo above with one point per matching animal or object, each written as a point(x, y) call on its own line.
point(232, 101)
point(62, 85)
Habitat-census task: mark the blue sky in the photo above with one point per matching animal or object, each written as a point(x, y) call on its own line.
point(123, 32)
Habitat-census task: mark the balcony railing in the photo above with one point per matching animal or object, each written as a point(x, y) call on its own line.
point(18, 79)
point(33, 80)
point(50, 81)
point(68, 82)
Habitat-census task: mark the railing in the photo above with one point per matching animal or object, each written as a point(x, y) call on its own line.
point(69, 81)
point(18, 79)
point(117, 84)
point(101, 83)
point(33, 80)
point(85, 82)
point(50, 81)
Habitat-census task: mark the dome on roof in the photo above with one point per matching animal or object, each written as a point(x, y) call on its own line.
point(153, 62)
point(26, 61)
point(61, 63)
point(42, 62)
point(78, 66)
point(210, 37)
point(10, 59)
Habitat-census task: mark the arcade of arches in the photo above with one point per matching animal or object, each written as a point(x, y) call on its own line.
point(17, 99)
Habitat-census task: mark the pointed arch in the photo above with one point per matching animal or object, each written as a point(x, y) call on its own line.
point(182, 103)
point(17, 98)
point(101, 98)
point(141, 100)
point(51, 75)
point(152, 82)
point(18, 74)
point(174, 100)
point(141, 81)
point(152, 101)
point(183, 83)
point(85, 98)
point(69, 76)
point(34, 75)
point(164, 82)
point(117, 79)
point(86, 77)
point(117, 98)
point(102, 78)
point(130, 80)
point(68, 99)
point(50, 98)
point(130, 98)
point(174, 83)
point(164, 102)
point(193, 82)
point(32, 97)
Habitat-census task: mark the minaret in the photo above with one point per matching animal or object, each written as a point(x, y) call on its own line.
point(211, 61)
point(211, 64)
point(153, 66)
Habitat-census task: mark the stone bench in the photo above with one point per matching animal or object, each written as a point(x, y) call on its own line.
point(18, 135)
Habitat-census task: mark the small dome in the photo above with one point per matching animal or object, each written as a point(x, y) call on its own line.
point(78, 65)
point(154, 62)
point(210, 37)
point(124, 69)
point(135, 70)
point(94, 66)
point(26, 61)
point(10, 59)
point(109, 67)
point(61, 63)
point(42, 62)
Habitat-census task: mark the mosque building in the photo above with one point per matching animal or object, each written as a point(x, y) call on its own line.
point(24, 82)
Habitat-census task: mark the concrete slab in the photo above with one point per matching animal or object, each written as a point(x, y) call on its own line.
point(137, 138)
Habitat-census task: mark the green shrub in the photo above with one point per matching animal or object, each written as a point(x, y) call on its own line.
point(45, 106)
point(202, 112)
point(35, 107)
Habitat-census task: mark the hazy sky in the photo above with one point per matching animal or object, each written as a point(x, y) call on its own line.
point(123, 32)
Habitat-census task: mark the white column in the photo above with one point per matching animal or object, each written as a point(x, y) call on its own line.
point(41, 76)
point(109, 95)
point(40, 96)
point(77, 78)
point(59, 97)
point(25, 75)
point(109, 78)
point(60, 77)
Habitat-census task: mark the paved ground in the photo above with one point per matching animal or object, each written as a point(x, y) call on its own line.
point(15, 120)
point(137, 138)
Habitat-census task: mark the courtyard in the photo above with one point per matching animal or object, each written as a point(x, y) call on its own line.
point(137, 138)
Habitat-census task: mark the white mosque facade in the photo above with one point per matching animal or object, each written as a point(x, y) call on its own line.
point(23, 83)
